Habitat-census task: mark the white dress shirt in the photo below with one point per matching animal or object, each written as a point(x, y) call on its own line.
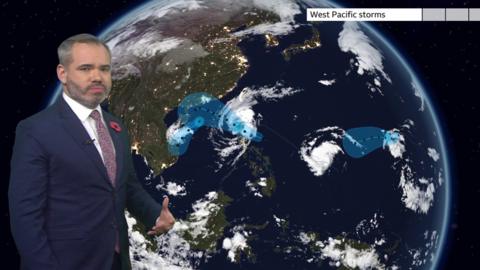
point(83, 113)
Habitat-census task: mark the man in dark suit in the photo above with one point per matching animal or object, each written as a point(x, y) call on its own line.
point(72, 174)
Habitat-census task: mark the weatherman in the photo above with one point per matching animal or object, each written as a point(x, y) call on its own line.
point(72, 174)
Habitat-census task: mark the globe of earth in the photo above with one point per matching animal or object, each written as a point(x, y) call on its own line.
point(348, 167)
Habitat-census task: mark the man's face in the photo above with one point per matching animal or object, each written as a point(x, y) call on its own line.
point(87, 78)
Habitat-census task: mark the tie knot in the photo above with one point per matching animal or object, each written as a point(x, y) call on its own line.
point(95, 115)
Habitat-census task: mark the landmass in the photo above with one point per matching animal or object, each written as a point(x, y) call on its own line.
point(271, 40)
point(261, 168)
point(309, 44)
point(201, 229)
point(213, 225)
point(209, 61)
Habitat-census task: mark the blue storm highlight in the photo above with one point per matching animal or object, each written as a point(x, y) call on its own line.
point(361, 141)
point(201, 109)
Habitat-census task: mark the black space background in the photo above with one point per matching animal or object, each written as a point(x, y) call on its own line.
point(445, 55)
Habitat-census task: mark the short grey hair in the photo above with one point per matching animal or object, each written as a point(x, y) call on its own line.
point(64, 51)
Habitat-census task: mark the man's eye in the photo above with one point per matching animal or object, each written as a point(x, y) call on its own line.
point(106, 69)
point(84, 68)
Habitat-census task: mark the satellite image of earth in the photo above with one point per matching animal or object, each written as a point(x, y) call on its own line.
point(345, 166)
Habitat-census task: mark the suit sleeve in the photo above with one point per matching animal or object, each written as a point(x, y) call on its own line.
point(139, 202)
point(27, 196)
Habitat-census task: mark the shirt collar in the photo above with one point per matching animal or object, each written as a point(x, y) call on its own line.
point(81, 111)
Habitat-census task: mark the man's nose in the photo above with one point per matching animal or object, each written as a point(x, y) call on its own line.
point(96, 75)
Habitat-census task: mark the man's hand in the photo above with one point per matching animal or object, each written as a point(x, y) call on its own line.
point(165, 221)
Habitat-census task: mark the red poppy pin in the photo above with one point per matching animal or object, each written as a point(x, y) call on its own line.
point(115, 126)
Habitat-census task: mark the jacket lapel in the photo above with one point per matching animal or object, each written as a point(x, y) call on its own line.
point(75, 128)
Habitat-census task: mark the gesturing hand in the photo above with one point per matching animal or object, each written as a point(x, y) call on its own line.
point(165, 221)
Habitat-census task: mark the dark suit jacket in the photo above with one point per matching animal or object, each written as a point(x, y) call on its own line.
point(64, 211)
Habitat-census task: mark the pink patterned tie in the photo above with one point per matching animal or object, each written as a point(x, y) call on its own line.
point(106, 145)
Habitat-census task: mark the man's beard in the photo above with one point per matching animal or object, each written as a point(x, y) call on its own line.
point(92, 101)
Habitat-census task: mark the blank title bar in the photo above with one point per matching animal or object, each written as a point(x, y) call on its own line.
point(393, 14)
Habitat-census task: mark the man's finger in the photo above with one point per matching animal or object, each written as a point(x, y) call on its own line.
point(165, 202)
point(153, 230)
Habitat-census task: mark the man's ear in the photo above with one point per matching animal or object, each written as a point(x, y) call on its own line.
point(62, 73)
